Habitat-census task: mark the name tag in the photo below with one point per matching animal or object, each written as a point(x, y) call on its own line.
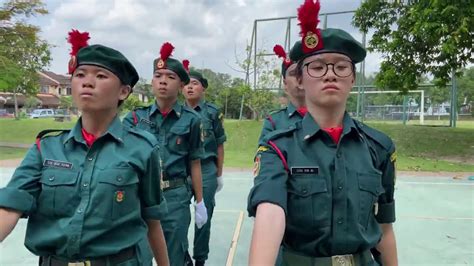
point(57, 164)
point(146, 121)
point(304, 170)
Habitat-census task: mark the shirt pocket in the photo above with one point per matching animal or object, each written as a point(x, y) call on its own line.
point(209, 137)
point(60, 195)
point(309, 202)
point(178, 140)
point(370, 188)
point(117, 192)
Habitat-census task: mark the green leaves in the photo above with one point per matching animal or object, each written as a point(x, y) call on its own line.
point(418, 38)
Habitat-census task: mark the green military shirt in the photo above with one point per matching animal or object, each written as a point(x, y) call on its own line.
point(87, 202)
point(281, 119)
point(213, 128)
point(179, 134)
point(334, 195)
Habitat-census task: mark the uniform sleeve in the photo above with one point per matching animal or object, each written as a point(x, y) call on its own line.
point(153, 201)
point(219, 128)
point(386, 202)
point(196, 138)
point(23, 189)
point(128, 120)
point(270, 179)
point(267, 127)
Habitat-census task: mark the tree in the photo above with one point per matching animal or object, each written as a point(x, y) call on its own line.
point(22, 52)
point(417, 38)
point(131, 103)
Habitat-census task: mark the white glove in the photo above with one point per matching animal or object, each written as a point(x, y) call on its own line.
point(220, 183)
point(200, 214)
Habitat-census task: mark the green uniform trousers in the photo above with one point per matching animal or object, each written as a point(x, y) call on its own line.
point(209, 186)
point(176, 222)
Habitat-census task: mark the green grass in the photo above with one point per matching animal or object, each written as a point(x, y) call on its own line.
point(25, 130)
point(11, 153)
point(420, 148)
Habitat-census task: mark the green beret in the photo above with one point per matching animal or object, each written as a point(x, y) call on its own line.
point(296, 53)
point(338, 41)
point(198, 76)
point(173, 65)
point(110, 59)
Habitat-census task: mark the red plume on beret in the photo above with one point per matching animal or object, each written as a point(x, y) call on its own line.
point(77, 40)
point(308, 14)
point(280, 52)
point(166, 50)
point(186, 65)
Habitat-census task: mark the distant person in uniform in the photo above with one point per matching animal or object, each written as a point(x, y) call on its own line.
point(91, 194)
point(213, 159)
point(178, 130)
point(324, 187)
point(296, 108)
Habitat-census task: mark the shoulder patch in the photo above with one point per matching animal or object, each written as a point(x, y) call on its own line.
point(143, 134)
point(378, 136)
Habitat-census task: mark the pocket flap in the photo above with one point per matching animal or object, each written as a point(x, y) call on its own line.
point(370, 182)
point(118, 176)
point(179, 130)
point(308, 187)
point(57, 177)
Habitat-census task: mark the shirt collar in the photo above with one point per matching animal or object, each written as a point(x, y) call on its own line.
point(176, 108)
point(115, 130)
point(310, 127)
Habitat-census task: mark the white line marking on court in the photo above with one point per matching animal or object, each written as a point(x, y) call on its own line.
point(235, 239)
point(435, 183)
point(438, 218)
point(231, 211)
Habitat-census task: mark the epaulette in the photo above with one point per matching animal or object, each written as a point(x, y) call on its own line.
point(275, 134)
point(190, 110)
point(378, 136)
point(143, 134)
point(45, 133)
point(277, 110)
point(213, 106)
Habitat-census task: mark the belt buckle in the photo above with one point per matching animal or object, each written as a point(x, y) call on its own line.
point(82, 263)
point(343, 260)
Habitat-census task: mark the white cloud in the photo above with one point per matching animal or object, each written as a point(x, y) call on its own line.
point(207, 32)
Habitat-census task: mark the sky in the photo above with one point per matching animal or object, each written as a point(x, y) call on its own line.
point(211, 34)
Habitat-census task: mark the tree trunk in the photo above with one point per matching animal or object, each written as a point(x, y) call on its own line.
point(15, 100)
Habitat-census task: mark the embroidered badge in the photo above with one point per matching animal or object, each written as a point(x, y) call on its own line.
point(393, 157)
point(119, 196)
point(256, 166)
point(262, 149)
point(57, 164)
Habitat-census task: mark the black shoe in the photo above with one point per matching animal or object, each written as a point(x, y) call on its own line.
point(187, 259)
point(199, 263)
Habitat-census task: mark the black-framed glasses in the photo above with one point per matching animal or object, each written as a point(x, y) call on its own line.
point(318, 68)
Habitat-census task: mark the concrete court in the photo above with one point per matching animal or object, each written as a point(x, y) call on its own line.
point(435, 223)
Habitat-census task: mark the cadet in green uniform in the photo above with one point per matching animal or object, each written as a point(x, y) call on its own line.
point(213, 159)
point(179, 132)
point(325, 186)
point(295, 110)
point(91, 193)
